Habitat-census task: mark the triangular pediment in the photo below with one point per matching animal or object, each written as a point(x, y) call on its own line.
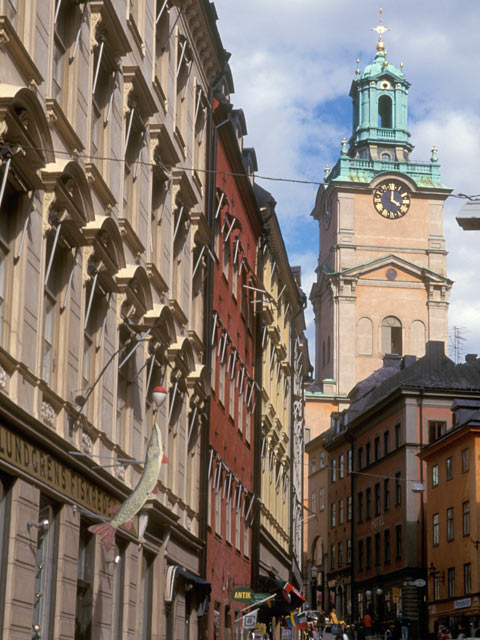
point(405, 271)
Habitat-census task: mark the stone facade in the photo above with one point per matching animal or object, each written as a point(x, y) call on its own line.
point(103, 139)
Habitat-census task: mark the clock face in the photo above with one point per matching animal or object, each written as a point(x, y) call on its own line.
point(327, 212)
point(391, 199)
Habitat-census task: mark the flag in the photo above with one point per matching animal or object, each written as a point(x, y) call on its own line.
point(297, 620)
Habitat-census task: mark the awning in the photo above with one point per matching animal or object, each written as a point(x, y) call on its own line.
point(203, 588)
point(287, 599)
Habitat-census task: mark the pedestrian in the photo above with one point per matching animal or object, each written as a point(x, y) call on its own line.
point(405, 625)
point(368, 623)
point(333, 620)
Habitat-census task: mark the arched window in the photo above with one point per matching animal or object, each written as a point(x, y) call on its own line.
point(364, 337)
point(392, 335)
point(385, 112)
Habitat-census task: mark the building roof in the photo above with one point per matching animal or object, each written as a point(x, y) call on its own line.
point(435, 371)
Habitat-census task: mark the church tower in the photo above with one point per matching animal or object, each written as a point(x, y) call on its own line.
point(381, 283)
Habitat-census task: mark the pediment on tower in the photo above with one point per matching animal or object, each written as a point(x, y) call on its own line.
point(393, 269)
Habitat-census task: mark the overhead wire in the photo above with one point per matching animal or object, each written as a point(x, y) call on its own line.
point(86, 156)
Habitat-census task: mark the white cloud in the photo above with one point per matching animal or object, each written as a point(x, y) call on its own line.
point(289, 59)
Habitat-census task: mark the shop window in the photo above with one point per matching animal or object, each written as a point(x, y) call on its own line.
point(118, 608)
point(5, 508)
point(85, 576)
point(145, 602)
point(45, 568)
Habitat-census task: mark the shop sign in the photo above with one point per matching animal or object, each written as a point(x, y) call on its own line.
point(395, 594)
point(242, 594)
point(50, 471)
point(462, 604)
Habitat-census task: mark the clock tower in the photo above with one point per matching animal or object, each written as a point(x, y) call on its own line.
point(382, 286)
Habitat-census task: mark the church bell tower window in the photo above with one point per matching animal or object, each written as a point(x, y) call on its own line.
point(385, 112)
point(391, 335)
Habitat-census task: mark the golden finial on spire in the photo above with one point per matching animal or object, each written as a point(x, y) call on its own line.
point(380, 29)
point(357, 70)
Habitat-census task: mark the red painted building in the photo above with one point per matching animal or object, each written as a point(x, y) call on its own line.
point(236, 228)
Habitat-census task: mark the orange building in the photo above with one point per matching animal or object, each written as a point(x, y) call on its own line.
point(452, 518)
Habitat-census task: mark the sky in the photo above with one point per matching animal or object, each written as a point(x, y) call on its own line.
point(293, 62)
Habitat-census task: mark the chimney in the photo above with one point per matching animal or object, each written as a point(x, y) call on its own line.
point(435, 348)
point(392, 360)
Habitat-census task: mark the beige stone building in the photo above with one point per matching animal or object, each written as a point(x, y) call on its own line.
point(103, 133)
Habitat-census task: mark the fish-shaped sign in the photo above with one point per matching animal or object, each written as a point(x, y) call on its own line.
point(135, 501)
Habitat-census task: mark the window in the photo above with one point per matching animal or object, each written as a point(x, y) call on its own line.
point(450, 524)
point(340, 554)
point(467, 579)
point(321, 498)
point(349, 508)
point(349, 461)
point(385, 112)
point(340, 512)
point(466, 517)
point(376, 447)
point(119, 590)
point(435, 529)
point(341, 466)
point(313, 464)
point(183, 71)
point(398, 542)
point(386, 546)
point(332, 557)
point(246, 540)
point(67, 21)
point(85, 573)
point(397, 436)
point(367, 454)
point(377, 499)
point(368, 553)
point(435, 475)
point(386, 494)
point(162, 47)
point(46, 568)
point(451, 582)
point(377, 549)
point(360, 555)
point(391, 335)
point(436, 586)
point(398, 489)
point(436, 430)
point(386, 443)
point(218, 510)
point(349, 551)
point(360, 506)
point(322, 460)
point(237, 528)
point(368, 503)
point(360, 458)
point(313, 505)
point(228, 520)
point(465, 460)
point(334, 470)
point(333, 514)
point(144, 630)
point(449, 468)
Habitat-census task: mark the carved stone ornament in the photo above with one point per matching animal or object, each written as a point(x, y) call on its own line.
point(3, 378)
point(48, 414)
point(87, 443)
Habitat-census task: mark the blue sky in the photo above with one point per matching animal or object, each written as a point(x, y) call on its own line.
point(293, 62)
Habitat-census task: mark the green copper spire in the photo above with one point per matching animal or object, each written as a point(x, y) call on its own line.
point(380, 138)
point(380, 105)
